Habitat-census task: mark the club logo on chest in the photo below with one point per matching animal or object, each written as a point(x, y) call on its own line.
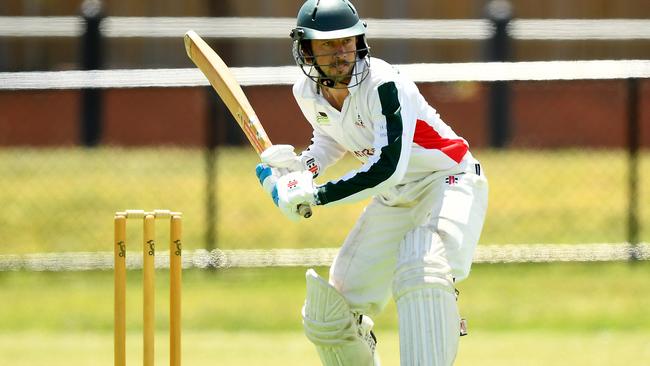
point(359, 122)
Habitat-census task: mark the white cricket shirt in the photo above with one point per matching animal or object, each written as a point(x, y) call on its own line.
point(387, 124)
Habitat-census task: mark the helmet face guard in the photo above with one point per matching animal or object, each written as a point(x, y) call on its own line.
point(329, 19)
point(303, 55)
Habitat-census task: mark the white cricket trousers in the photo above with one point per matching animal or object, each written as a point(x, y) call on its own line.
point(452, 204)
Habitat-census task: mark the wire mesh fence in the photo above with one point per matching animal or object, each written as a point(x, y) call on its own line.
point(564, 176)
point(63, 199)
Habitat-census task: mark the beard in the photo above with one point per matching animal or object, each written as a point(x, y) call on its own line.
point(340, 71)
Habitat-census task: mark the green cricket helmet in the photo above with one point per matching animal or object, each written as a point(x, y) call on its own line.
point(328, 19)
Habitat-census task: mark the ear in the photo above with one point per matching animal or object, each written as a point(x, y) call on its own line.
point(362, 46)
point(307, 53)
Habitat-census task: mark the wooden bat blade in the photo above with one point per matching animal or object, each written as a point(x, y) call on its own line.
point(228, 89)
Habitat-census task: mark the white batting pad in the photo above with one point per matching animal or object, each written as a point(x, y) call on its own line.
point(429, 324)
point(341, 338)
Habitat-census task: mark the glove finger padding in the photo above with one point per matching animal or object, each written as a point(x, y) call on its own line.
point(282, 156)
point(267, 177)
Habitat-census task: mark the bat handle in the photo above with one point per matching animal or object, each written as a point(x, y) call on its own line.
point(304, 210)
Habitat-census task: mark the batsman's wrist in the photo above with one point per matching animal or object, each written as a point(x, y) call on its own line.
point(318, 198)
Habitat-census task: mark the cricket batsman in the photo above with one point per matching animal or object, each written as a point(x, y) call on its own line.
point(417, 236)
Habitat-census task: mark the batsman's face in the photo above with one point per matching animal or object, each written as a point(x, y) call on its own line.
point(336, 57)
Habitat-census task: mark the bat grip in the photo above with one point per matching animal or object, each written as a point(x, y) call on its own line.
point(304, 210)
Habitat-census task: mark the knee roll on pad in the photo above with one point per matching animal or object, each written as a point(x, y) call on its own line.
point(429, 324)
point(421, 263)
point(341, 337)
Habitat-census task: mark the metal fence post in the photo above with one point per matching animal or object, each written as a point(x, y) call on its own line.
point(214, 130)
point(633, 133)
point(211, 158)
point(499, 12)
point(91, 59)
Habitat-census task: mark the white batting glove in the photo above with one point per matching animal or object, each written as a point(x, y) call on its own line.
point(282, 156)
point(292, 190)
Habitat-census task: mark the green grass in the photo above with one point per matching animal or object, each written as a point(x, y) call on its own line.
point(515, 297)
point(245, 348)
point(533, 314)
point(64, 199)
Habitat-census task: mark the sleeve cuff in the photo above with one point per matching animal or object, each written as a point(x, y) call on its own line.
point(319, 196)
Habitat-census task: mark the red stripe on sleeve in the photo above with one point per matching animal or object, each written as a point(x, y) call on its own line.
point(428, 138)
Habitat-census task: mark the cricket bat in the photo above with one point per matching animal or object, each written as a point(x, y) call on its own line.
point(229, 90)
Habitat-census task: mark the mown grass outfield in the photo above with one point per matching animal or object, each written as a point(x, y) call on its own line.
point(519, 314)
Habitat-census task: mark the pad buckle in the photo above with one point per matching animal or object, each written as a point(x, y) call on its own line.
point(463, 327)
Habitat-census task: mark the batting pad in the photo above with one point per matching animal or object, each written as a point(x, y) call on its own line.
point(429, 324)
point(341, 338)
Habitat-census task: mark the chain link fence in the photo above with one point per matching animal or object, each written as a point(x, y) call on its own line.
point(64, 199)
point(563, 178)
point(566, 158)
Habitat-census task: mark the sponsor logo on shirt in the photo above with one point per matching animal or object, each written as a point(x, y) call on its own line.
point(364, 153)
point(322, 118)
point(451, 180)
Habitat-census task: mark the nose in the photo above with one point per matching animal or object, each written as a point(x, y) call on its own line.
point(340, 48)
